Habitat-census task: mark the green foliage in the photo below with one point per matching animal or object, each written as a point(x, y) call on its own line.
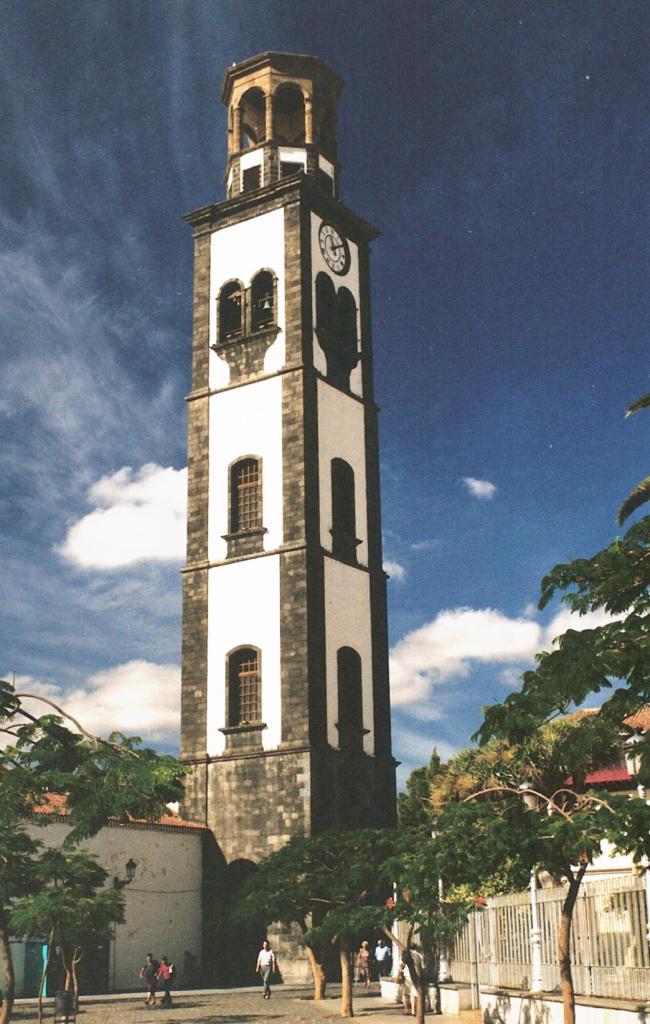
point(616, 580)
point(329, 884)
point(641, 492)
point(70, 902)
point(414, 810)
point(52, 754)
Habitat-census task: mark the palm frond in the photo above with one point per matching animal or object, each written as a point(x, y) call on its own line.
point(638, 496)
point(641, 403)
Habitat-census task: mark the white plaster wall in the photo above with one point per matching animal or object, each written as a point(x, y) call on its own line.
point(513, 1009)
point(247, 160)
point(238, 252)
point(163, 903)
point(341, 435)
point(326, 166)
point(243, 610)
point(293, 156)
point(245, 421)
point(347, 624)
point(349, 281)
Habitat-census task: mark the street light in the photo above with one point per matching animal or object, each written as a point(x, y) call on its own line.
point(634, 765)
point(634, 760)
point(129, 867)
point(530, 799)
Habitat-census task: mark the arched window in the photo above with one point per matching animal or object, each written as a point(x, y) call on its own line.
point(289, 115)
point(346, 318)
point(244, 687)
point(230, 311)
point(336, 329)
point(344, 541)
point(325, 303)
point(262, 300)
point(253, 117)
point(350, 704)
point(245, 496)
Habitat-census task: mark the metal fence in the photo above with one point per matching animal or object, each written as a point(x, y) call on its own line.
point(609, 946)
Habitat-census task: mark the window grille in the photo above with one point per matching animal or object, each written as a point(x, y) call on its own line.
point(246, 496)
point(245, 691)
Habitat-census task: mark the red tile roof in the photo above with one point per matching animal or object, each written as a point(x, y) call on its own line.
point(55, 803)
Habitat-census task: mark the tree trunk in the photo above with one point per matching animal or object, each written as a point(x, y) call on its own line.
point(77, 957)
point(564, 946)
point(415, 966)
point(7, 970)
point(43, 977)
point(346, 979)
point(318, 972)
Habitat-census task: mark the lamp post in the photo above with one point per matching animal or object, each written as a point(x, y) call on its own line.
point(633, 763)
point(531, 802)
point(444, 974)
point(121, 883)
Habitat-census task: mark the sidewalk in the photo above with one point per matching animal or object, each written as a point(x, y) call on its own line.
point(379, 1011)
point(290, 1004)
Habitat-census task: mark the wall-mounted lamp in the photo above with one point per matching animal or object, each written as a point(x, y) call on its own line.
point(129, 867)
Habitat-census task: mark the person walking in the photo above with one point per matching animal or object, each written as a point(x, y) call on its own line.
point(383, 959)
point(266, 966)
point(166, 975)
point(149, 974)
point(363, 964)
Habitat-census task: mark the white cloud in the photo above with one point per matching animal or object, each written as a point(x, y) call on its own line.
point(566, 619)
point(413, 750)
point(511, 677)
point(479, 488)
point(446, 647)
point(138, 516)
point(395, 570)
point(425, 545)
point(138, 698)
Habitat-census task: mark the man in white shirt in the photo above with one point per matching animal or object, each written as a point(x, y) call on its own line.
point(266, 965)
point(382, 958)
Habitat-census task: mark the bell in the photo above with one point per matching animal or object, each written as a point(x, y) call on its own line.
point(266, 302)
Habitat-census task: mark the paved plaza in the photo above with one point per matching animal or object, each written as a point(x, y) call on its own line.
point(288, 1005)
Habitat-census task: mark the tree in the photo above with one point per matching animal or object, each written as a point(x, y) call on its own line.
point(641, 492)
point(562, 830)
point(330, 885)
point(613, 656)
point(415, 870)
point(71, 906)
point(100, 778)
point(414, 811)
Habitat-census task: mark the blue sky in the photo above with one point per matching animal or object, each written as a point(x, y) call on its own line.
point(501, 149)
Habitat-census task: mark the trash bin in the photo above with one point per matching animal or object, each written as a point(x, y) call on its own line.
point(63, 1006)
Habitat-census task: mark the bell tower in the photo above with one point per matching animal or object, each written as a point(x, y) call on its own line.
point(285, 697)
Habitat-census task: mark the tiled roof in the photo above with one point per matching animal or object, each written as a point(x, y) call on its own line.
point(55, 803)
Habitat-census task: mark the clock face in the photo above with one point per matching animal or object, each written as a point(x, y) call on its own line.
point(334, 248)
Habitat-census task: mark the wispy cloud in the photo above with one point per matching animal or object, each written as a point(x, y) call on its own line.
point(139, 516)
point(395, 570)
point(425, 545)
point(137, 698)
point(480, 488)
